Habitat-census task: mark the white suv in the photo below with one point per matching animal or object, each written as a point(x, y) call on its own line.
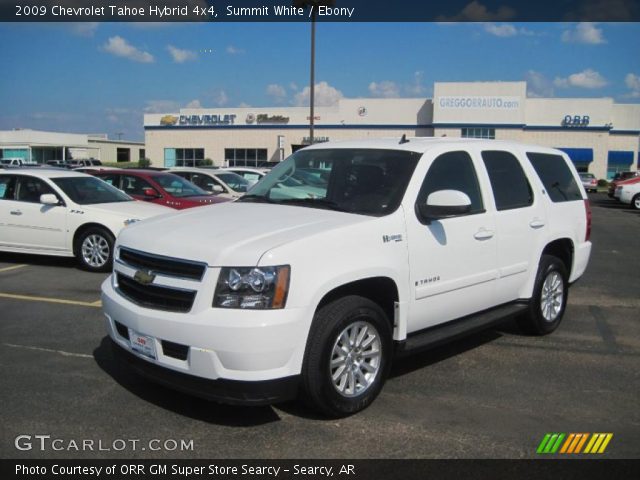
point(409, 243)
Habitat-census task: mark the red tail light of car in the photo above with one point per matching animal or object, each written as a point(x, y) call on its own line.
point(587, 209)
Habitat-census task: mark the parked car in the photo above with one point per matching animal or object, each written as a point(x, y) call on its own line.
point(252, 175)
point(56, 163)
point(17, 162)
point(158, 187)
point(83, 162)
point(225, 184)
point(589, 182)
point(413, 242)
point(63, 213)
point(617, 178)
point(629, 193)
point(620, 183)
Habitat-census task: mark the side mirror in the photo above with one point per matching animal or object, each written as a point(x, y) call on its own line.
point(444, 204)
point(49, 199)
point(151, 193)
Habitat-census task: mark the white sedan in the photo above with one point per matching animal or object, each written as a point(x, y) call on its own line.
point(65, 213)
point(224, 183)
point(629, 193)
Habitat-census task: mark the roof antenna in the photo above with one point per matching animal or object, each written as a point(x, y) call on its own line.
point(404, 139)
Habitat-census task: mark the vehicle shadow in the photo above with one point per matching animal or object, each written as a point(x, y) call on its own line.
point(602, 200)
point(178, 402)
point(40, 260)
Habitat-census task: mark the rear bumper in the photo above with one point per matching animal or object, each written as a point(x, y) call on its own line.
point(580, 260)
point(234, 392)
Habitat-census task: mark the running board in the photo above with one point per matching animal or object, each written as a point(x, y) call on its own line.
point(434, 336)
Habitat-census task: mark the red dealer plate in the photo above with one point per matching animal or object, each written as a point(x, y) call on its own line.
point(142, 344)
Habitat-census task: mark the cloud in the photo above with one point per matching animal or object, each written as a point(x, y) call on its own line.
point(384, 89)
point(501, 30)
point(633, 82)
point(417, 88)
point(231, 50)
point(180, 56)
point(538, 85)
point(293, 86)
point(324, 95)
point(276, 92)
point(193, 104)
point(586, 79)
point(119, 47)
point(220, 98)
point(84, 29)
point(244, 105)
point(585, 32)
point(476, 12)
point(161, 106)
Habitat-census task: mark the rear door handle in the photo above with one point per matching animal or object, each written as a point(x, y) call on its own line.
point(483, 234)
point(536, 223)
point(16, 212)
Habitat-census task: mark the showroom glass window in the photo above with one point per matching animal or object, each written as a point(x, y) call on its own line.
point(510, 186)
point(478, 132)
point(245, 157)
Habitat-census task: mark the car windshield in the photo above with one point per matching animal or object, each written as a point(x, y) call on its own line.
point(235, 181)
point(363, 181)
point(178, 186)
point(90, 190)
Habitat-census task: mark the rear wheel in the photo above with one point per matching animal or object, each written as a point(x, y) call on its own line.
point(347, 357)
point(549, 300)
point(94, 249)
point(635, 202)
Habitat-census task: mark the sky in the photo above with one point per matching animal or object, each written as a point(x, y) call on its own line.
point(102, 77)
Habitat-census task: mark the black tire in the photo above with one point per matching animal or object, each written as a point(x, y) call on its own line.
point(539, 320)
point(329, 323)
point(635, 202)
point(100, 241)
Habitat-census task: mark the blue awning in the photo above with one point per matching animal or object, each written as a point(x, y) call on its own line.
point(579, 155)
point(620, 157)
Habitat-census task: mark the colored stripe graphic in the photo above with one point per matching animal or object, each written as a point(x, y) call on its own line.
point(573, 443)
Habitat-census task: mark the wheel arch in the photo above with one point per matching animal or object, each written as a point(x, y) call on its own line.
point(83, 228)
point(563, 249)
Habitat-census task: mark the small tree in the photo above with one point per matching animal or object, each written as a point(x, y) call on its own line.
point(208, 162)
point(144, 163)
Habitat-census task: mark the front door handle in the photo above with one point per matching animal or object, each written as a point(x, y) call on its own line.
point(536, 223)
point(483, 234)
point(16, 212)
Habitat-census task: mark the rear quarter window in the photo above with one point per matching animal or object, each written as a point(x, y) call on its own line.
point(556, 176)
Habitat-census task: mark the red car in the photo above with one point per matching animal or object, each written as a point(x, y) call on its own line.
point(158, 187)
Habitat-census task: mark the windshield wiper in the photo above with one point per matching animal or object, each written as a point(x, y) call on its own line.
point(315, 202)
point(252, 197)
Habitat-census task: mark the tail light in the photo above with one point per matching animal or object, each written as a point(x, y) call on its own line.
point(587, 209)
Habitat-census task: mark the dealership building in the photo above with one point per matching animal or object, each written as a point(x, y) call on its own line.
point(599, 135)
point(40, 147)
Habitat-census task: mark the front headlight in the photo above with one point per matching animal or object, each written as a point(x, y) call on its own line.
point(252, 287)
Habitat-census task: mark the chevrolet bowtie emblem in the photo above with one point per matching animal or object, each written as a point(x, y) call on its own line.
point(144, 277)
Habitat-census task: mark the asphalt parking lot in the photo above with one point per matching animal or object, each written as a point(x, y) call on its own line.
point(492, 395)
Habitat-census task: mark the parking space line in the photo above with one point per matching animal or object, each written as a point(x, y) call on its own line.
point(63, 301)
point(50, 350)
point(13, 267)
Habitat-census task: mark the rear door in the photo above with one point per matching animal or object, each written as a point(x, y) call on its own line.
point(520, 221)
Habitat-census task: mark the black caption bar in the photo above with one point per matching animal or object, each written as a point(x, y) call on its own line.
point(319, 469)
point(320, 10)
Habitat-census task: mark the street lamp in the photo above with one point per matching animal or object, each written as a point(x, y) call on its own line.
point(313, 4)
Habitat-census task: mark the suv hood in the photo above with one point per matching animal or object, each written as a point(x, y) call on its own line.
point(232, 234)
point(134, 209)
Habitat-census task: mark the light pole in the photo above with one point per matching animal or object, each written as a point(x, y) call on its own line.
point(313, 4)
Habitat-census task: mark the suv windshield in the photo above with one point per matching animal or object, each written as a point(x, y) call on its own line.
point(178, 186)
point(90, 190)
point(363, 181)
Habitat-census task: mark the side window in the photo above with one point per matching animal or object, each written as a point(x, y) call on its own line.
point(453, 171)
point(203, 181)
point(30, 189)
point(509, 183)
point(111, 180)
point(555, 176)
point(7, 187)
point(133, 185)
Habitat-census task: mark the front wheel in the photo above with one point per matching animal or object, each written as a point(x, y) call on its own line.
point(348, 356)
point(635, 202)
point(94, 249)
point(549, 300)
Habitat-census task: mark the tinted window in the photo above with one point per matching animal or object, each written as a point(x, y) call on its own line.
point(90, 190)
point(453, 171)
point(30, 189)
point(556, 177)
point(7, 187)
point(510, 186)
